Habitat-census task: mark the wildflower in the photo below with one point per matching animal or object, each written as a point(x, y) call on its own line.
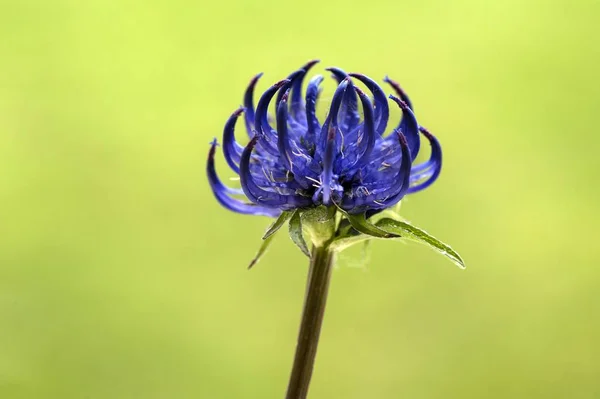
point(347, 160)
point(300, 169)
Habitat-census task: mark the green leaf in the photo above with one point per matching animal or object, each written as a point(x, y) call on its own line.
point(413, 233)
point(360, 223)
point(296, 233)
point(261, 251)
point(284, 217)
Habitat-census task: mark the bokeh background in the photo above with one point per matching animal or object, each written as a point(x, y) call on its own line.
point(121, 277)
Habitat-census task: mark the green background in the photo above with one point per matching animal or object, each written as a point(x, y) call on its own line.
point(121, 277)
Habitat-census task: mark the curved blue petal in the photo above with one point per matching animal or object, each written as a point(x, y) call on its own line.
point(294, 77)
point(261, 122)
point(409, 127)
point(330, 128)
point(222, 192)
point(349, 110)
point(262, 196)
point(382, 110)
point(369, 129)
point(249, 104)
point(429, 169)
point(296, 101)
point(337, 74)
point(283, 142)
point(362, 199)
point(399, 91)
point(231, 149)
point(403, 173)
point(313, 126)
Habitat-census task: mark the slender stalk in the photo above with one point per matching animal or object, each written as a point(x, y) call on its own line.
point(317, 287)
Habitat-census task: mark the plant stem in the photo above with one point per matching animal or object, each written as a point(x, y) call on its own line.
point(317, 287)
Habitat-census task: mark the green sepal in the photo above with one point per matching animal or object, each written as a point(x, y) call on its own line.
point(413, 233)
point(361, 224)
point(277, 224)
point(319, 223)
point(296, 233)
point(261, 251)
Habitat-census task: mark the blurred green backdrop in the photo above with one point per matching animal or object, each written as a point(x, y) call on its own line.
point(121, 277)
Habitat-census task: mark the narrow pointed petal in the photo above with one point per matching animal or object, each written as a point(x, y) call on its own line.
point(403, 177)
point(212, 173)
point(387, 194)
point(297, 85)
point(349, 109)
point(260, 118)
point(249, 105)
point(337, 73)
point(312, 93)
point(330, 128)
point(221, 192)
point(382, 110)
point(261, 122)
point(409, 127)
point(283, 139)
point(349, 113)
point(433, 165)
point(399, 91)
point(292, 78)
point(231, 149)
point(369, 129)
point(334, 110)
point(328, 164)
point(262, 196)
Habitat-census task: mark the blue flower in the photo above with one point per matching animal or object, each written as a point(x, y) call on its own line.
point(295, 161)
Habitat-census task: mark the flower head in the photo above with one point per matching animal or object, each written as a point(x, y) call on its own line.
point(295, 160)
